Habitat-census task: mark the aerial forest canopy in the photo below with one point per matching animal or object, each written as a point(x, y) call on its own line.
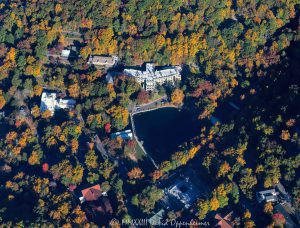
point(227, 40)
point(244, 49)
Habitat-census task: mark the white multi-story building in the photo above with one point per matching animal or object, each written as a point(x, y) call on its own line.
point(49, 101)
point(151, 77)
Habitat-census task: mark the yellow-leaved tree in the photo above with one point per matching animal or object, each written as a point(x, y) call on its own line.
point(2, 101)
point(177, 97)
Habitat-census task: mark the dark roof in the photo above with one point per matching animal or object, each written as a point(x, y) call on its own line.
point(104, 206)
point(107, 205)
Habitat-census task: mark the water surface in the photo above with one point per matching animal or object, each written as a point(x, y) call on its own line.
point(163, 130)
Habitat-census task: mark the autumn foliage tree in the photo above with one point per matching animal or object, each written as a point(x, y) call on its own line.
point(120, 116)
point(203, 206)
point(228, 49)
point(107, 127)
point(135, 173)
point(2, 101)
point(147, 199)
point(268, 208)
point(157, 174)
point(224, 169)
point(278, 219)
point(142, 97)
point(45, 167)
point(177, 97)
point(46, 114)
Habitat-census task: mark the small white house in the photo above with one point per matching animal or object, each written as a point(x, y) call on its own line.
point(65, 53)
point(123, 134)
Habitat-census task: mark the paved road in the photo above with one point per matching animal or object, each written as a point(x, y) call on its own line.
point(53, 55)
point(154, 101)
point(100, 147)
point(150, 105)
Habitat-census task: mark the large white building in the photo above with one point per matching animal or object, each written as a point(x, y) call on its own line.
point(49, 101)
point(185, 191)
point(150, 77)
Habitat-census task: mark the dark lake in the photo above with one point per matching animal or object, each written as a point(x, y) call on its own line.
point(163, 130)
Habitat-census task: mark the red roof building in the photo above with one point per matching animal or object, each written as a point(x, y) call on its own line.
point(224, 222)
point(92, 193)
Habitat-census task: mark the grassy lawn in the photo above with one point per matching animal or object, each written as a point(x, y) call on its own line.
point(144, 162)
point(155, 96)
point(139, 152)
